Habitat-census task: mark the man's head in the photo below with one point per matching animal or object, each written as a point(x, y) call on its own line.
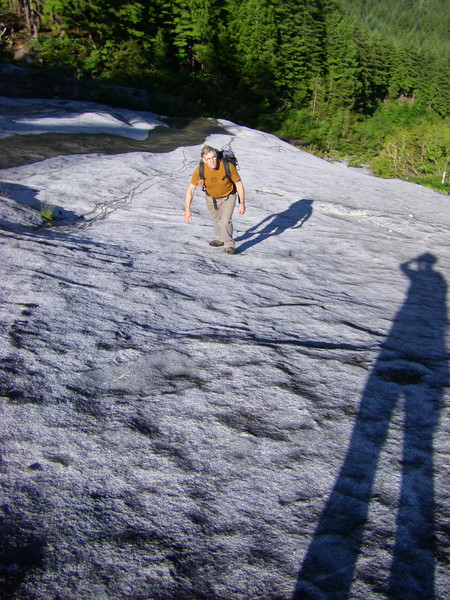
point(209, 157)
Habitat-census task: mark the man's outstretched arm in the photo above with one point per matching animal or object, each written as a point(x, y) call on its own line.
point(241, 193)
point(187, 202)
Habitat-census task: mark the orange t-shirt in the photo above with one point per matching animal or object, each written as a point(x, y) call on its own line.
point(216, 182)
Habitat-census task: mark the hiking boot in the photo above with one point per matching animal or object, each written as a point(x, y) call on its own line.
point(216, 243)
point(229, 250)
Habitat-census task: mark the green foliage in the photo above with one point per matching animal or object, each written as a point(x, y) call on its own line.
point(253, 36)
point(61, 52)
point(402, 139)
point(301, 55)
point(121, 63)
point(101, 18)
point(419, 152)
point(343, 69)
point(369, 134)
point(299, 125)
point(426, 20)
point(47, 215)
point(194, 30)
point(351, 78)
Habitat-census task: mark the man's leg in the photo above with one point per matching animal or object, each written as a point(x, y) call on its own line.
point(225, 224)
point(215, 216)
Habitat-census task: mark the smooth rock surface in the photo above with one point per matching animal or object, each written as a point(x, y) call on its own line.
point(177, 423)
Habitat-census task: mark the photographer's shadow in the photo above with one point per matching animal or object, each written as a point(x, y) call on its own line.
point(409, 374)
point(292, 218)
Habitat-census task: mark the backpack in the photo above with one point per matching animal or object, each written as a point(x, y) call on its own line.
point(227, 156)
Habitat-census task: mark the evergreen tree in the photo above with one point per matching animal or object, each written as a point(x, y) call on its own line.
point(301, 33)
point(403, 72)
point(373, 70)
point(253, 36)
point(314, 69)
point(194, 30)
point(103, 20)
point(343, 70)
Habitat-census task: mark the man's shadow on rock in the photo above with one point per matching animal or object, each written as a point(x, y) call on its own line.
point(292, 218)
point(410, 374)
point(22, 209)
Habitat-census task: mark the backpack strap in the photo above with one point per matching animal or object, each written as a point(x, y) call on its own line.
point(226, 165)
point(201, 174)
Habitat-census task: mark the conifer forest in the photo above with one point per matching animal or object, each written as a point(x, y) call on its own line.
point(366, 81)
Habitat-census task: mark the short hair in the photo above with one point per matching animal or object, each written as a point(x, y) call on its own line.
point(207, 150)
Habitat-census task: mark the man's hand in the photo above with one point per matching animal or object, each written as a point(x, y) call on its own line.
point(241, 209)
point(187, 216)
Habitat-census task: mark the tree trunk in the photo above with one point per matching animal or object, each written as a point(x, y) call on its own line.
point(31, 17)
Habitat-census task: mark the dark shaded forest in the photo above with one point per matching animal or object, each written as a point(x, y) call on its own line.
point(365, 81)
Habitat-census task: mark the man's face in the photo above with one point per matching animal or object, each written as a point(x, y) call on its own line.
point(210, 159)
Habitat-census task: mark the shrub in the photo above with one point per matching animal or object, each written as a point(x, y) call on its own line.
point(417, 153)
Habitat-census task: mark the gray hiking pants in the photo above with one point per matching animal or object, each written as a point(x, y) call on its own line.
point(221, 211)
